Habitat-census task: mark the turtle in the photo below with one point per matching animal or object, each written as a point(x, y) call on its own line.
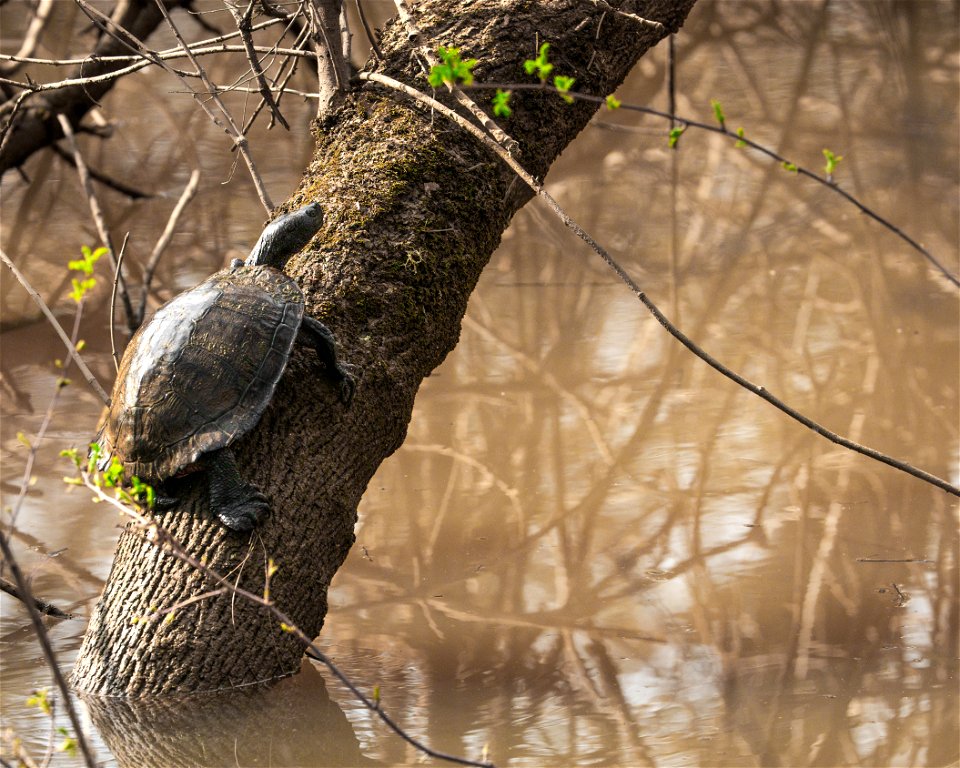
point(202, 371)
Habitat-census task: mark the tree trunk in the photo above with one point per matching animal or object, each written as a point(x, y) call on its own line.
point(414, 208)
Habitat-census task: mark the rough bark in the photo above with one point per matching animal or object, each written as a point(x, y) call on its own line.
point(414, 209)
point(35, 123)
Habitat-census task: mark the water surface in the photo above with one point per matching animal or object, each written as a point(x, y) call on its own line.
point(592, 549)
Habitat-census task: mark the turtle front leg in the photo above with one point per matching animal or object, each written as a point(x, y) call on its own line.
point(238, 505)
point(318, 336)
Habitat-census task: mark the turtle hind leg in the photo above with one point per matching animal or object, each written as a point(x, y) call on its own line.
point(318, 336)
point(238, 505)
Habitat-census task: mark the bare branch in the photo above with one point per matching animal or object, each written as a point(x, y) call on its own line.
point(672, 329)
point(96, 211)
point(230, 128)
point(139, 62)
point(243, 26)
point(43, 606)
point(374, 45)
point(30, 39)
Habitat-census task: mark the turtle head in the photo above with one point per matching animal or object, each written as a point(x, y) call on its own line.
point(285, 236)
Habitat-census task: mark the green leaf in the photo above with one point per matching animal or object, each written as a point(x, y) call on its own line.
point(832, 162)
point(41, 700)
point(68, 745)
point(792, 167)
point(675, 134)
point(93, 457)
point(563, 84)
point(718, 112)
point(452, 69)
point(113, 476)
point(613, 102)
point(740, 142)
point(142, 492)
point(539, 66)
point(501, 103)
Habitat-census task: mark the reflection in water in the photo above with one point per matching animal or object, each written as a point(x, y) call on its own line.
point(591, 548)
point(276, 726)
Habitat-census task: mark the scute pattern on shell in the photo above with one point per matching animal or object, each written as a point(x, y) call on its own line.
point(202, 371)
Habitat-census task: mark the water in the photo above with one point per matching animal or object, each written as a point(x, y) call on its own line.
point(592, 549)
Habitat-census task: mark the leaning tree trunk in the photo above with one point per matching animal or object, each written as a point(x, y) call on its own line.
point(414, 209)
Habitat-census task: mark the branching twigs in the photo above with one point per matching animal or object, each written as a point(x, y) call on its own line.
point(283, 77)
point(230, 127)
point(673, 330)
point(244, 25)
point(186, 196)
point(743, 140)
point(240, 140)
point(71, 347)
point(20, 582)
point(163, 539)
point(30, 39)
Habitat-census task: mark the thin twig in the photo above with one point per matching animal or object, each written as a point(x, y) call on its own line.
point(113, 303)
point(673, 330)
point(71, 347)
point(374, 46)
point(164, 540)
point(413, 34)
point(185, 197)
point(111, 28)
point(95, 210)
point(118, 186)
point(44, 606)
point(627, 15)
point(243, 26)
point(31, 37)
point(20, 582)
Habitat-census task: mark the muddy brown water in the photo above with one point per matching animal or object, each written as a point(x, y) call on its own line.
point(592, 549)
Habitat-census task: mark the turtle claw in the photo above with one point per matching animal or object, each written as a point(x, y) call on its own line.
point(347, 386)
point(246, 513)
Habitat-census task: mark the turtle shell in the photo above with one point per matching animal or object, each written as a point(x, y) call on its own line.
point(201, 372)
